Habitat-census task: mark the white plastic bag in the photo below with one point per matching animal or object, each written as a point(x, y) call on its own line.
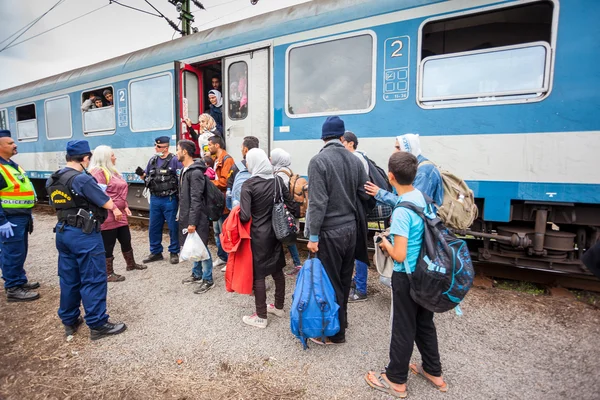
point(193, 248)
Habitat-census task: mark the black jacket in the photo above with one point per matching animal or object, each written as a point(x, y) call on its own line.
point(192, 201)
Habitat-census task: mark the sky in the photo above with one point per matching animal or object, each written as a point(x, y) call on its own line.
point(109, 32)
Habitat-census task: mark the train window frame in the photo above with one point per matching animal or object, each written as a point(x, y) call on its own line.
point(98, 132)
point(332, 39)
point(502, 98)
point(37, 129)
point(171, 97)
point(66, 96)
point(229, 100)
point(7, 122)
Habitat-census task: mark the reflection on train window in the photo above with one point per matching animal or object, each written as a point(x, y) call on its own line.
point(26, 122)
point(190, 94)
point(238, 90)
point(58, 118)
point(482, 58)
point(98, 111)
point(331, 77)
point(151, 103)
point(4, 119)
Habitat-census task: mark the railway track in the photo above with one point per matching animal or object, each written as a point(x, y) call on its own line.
point(513, 272)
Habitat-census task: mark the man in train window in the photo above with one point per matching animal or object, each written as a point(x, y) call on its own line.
point(17, 197)
point(98, 102)
point(161, 177)
point(216, 83)
point(108, 96)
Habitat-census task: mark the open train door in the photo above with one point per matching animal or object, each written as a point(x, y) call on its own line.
point(190, 98)
point(246, 100)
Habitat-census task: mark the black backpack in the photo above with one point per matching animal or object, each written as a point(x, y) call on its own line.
point(444, 272)
point(381, 212)
point(215, 201)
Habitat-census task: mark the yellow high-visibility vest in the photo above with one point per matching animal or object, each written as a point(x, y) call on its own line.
point(19, 191)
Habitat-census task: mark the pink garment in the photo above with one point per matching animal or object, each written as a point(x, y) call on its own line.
point(210, 173)
point(117, 190)
point(243, 89)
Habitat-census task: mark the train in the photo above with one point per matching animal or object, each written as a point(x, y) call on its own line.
point(503, 93)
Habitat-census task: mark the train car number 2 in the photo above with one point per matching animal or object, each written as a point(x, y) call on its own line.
point(396, 72)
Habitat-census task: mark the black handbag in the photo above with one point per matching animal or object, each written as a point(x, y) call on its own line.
point(284, 223)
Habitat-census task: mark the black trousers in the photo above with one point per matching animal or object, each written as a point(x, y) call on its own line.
point(260, 293)
point(336, 252)
point(110, 237)
point(411, 324)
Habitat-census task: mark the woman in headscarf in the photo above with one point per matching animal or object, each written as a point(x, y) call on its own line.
point(216, 103)
point(207, 128)
point(116, 226)
point(281, 161)
point(256, 203)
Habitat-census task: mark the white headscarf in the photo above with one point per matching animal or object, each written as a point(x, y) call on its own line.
point(218, 96)
point(258, 164)
point(280, 159)
point(410, 143)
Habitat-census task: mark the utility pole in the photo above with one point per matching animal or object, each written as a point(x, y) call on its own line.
point(186, 17)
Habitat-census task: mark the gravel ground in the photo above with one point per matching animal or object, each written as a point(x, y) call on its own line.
point(186, 346)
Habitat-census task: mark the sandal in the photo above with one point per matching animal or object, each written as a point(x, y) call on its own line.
point(382, 385)
point(327, 342)
point(418, 370)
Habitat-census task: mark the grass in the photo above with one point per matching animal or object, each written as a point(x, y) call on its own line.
point(519, 286)
point(591, 298)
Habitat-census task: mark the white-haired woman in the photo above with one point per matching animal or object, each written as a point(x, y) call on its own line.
point(116, 226)
point(207, 129)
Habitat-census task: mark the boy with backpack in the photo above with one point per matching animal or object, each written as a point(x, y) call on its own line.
point(411, 323)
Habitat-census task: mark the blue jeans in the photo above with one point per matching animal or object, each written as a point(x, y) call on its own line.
point(218, 228)
point(203, 269)
point(360, 276)
point(14, 252)
point(293, 249)
point(163, 209)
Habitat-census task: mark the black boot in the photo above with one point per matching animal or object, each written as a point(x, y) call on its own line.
point(107, 329)
point(71, 329)
point(153, 257)
point(20, 294)
point(174, 258)
point(31, 285)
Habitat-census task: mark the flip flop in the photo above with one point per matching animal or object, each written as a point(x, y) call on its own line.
point(383, 385)
point(418, 370)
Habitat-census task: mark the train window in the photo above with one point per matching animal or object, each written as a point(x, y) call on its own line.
point(238, 90)
point(331, 76)
point(4, 119)
point(190, 94)
point(58, 118)
point(26, 122)
point(498, 55)
point(151, 100)
point(98, 111)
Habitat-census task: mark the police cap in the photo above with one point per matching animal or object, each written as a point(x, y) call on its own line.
point(4, 133)
point(161, 140)
point(78, 147)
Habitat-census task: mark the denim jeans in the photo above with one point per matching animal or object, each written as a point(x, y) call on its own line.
point(203, 269)
point(218, 228)
point(360, 276)
point(293, 249)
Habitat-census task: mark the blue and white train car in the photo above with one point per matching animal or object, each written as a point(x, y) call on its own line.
point(502, 93)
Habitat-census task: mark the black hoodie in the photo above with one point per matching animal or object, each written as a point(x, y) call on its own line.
point(192, 200)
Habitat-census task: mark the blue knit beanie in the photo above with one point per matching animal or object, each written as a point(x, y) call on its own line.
point(333, 128)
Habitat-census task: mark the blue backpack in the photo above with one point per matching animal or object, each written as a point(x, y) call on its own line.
point(314, 312)
point(444, 272)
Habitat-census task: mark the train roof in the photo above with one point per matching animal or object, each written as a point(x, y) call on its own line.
point(305, 16)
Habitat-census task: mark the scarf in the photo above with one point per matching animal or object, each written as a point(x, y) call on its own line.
point(258, 164)
point(218, 96)
point(409, 143)
point(280, 159)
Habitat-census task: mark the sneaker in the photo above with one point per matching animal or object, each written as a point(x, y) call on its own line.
point(174, 258)
point(108, 329)
point(294, 270)
point(255, 320)
point(153, 257)
point(71, 329)
point(275, 311)
point(18, 293)
point(30, 285)
point(191, 279)
point(204, 287)
point(224, 268)
point(219, 262)
point(356, 296)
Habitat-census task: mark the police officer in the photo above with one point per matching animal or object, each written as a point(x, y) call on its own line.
point(161, 177)
point(81, 207)
point(17, 197)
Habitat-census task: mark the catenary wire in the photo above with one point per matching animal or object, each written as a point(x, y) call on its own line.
point(133, 8)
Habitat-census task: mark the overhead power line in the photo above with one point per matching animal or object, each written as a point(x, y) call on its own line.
point(31, 24)
point(58, 26)
point(133, 8)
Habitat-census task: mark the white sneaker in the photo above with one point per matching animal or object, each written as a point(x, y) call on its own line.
point(275, 311)
point(224, 268)
point(255, 320)
point(219, 262)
